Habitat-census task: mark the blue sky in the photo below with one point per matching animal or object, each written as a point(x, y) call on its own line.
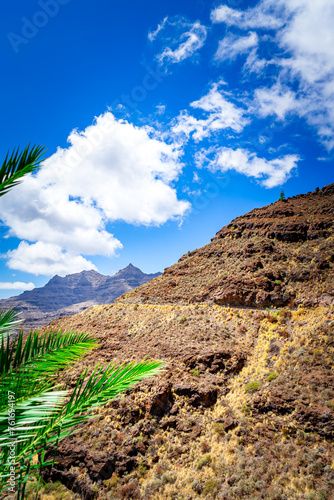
point(163, 121)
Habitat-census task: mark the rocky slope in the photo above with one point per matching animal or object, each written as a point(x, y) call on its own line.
point(74, 293)
point(245, 408)
point(278, 255)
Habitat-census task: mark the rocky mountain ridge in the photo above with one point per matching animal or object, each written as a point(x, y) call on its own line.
point(245, 407)
point(74, 293)
point(278, 255)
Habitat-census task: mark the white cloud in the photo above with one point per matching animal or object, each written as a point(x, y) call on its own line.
point(222, 114)
point(269, 173)
point(255, 64)
point(278, 100)
point(302, 50)
point(196, 178)
point(152, 35)
point(111, 171)
point(232, 45)
point(47, 259)
point(16, 285)
point(309, 39)
point(186, 38)
point(261, 16)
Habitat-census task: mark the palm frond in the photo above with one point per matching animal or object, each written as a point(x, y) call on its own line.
point(9, 320)
point(18, 164)
point(23, 384)
point(41, 424)
point(101, 387)
point(48, 353)
point(30, 415)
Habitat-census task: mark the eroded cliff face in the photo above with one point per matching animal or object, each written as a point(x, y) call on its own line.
point(245, 407)
point(279, 255)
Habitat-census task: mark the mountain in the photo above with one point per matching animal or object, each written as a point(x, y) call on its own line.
point(74, 293)
point(278, 255)
point(245, 407)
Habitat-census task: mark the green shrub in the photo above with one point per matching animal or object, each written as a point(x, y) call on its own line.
point(112, 482)
point(197, 486)
point(272, 376)
point(246, 409)
point(195, 373)
point(210, 486)
point(205, 460)
point(141, 468)
point(182, 319)
point(282, 196)
point(168, 478)
point(252, 386)
point(219, 428)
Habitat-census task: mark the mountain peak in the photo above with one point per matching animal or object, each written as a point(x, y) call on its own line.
point(74, 292)
point(130, 269)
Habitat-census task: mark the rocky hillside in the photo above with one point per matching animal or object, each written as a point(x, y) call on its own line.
point(245, 407)
point(278, 255)
point(74, 293)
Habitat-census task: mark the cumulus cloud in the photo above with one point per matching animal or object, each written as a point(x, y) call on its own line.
point(302, 38)
point(232, 45)
point(47, 259)
point(269, 173)
point(184, 39)
point(309, 39)
point(222, 114)
point(16, 285)
point(111, 171)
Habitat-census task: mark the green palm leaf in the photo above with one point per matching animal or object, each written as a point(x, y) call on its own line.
point(19, 164)
point(9, 320)
point(41, 423)
point(48, 353)
point(30, 415)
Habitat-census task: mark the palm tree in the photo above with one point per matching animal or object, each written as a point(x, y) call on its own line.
point(35, 414)
point(18, 164)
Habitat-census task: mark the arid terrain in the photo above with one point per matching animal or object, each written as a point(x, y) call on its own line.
point(245, 407)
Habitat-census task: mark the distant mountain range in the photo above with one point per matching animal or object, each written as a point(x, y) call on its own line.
point(72, 294)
